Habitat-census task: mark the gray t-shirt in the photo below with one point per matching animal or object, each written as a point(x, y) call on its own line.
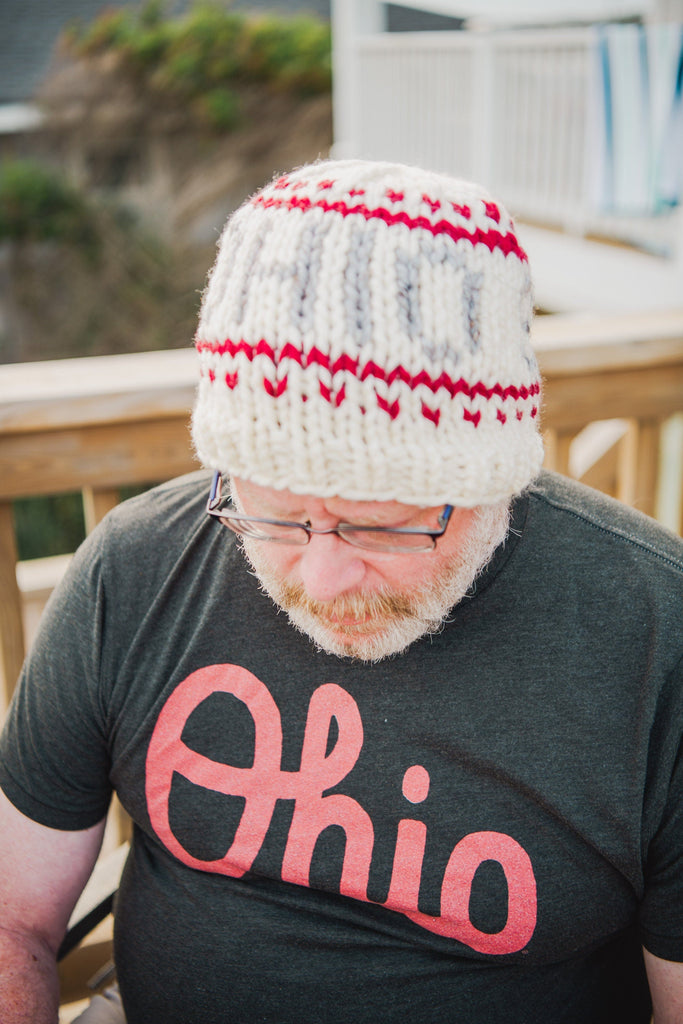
point(484, 828)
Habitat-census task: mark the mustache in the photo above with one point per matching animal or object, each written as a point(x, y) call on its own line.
point(381, 604)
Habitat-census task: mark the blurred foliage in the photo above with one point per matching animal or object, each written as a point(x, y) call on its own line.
point(55, 524)
point(83, 280)
point(48, 525)
point(203, 56)
point(81, 275)
point(219, 108)
point(37, 204)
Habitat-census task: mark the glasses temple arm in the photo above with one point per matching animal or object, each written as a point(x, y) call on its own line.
point(215, 487)
point(445, 515)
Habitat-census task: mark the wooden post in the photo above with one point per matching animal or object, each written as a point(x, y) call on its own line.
point(647, 464)
point(96, 503)
point(563, 443)
point(640, 465)
point(11, 623)
point(549, 447)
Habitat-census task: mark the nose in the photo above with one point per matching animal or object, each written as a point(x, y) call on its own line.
point(329, 567)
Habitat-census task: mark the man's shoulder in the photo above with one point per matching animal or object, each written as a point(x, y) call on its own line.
point(151, 529)
point(165, 505)
point(602, 518)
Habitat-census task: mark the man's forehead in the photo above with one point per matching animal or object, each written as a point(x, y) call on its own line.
point(280, 499)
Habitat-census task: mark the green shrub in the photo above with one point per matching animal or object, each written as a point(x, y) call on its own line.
point(48, 525)
point(152, 13)
point(295, 54)
point(54, 524)
point(220, 108)
point(146, 49)
point(204, 54)
point(83, 275)
point(112, 29)
point(37, 204)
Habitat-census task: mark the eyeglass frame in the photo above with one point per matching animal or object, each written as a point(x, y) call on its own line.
point(225, 517)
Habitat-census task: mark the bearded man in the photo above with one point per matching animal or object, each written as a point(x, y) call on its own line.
point(398, 723)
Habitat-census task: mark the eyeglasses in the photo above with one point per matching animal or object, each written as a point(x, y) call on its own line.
point(392, 540)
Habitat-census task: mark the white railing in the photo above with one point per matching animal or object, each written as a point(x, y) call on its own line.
point(485, 106)
point(520, 111)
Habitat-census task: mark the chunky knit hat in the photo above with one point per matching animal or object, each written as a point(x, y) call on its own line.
point(365, 333)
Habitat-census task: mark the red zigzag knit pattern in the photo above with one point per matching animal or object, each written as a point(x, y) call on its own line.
point(491, 238)
point(362, 371)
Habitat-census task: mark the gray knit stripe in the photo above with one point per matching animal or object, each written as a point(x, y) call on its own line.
point(471, 308)
point(306, 270)
point(357, 306)
point(252, 255)
point(408, 281)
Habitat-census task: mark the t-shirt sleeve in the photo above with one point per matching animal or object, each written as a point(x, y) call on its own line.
point(661, 913)
point(54, 761)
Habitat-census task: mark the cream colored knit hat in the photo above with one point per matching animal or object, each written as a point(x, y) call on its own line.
point(365, 333)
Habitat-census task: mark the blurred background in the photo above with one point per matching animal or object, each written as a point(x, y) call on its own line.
point(127, 134)
point(129, 131)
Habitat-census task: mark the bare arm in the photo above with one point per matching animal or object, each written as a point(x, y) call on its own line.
point(666, 986)
point(42, 872)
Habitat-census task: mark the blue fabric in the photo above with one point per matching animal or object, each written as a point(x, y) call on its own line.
point(639, 157)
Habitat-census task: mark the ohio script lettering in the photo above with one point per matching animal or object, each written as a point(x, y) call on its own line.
point(262, 784)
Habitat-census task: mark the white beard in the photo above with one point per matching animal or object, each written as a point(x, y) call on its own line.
point(388, 620)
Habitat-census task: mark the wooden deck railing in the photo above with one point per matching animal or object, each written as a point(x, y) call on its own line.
point(91, 425)
point(95, 425)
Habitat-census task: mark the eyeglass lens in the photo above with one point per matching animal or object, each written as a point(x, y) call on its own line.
point(284, 533)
